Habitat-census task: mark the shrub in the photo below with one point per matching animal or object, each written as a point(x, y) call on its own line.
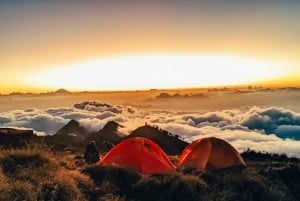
point(111, 197)
point(40, 176)
point(291, 176)
point(56, 191)
point(240, 184)
point(118, 180)
point(175, 186)
point(12, 163)
point(18, 191)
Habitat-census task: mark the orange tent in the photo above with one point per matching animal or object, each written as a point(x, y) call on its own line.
point(210, 152)
point(140, 154)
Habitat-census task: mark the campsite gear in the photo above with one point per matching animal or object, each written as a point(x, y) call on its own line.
point(209, 153)
point(140, 154)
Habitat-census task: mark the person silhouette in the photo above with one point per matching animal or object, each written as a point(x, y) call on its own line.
point(91, 154)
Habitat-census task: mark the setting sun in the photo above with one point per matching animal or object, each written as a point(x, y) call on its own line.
point(142, 71)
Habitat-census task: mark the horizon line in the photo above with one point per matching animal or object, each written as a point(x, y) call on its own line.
point(45, 91)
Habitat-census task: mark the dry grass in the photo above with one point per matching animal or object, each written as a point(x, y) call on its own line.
point(36, 173)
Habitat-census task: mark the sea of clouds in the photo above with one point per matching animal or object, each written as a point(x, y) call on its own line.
point(269, 129)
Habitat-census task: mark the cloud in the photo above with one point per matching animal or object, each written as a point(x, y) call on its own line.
point(240, 139)
point(59, 111)
point(187, 132)
point(288, 147)
point(288, 131)
point(106, 114)
point(5, 120)
point(130, 109)
point(35, 119)
point(210, 117)
point(272, 120)
point(274, 130)
point(92, 125)
point(97, 107)
point(48, 121)
point(76, 115)
point(235, 127)
point(232, 126)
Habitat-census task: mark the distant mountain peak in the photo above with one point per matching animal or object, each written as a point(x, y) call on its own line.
point(72, 127)
point(111, 126)
point(73, 123)
point(108, 134)
point(62, 91)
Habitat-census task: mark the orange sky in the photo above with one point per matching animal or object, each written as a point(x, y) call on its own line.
point(38, 36)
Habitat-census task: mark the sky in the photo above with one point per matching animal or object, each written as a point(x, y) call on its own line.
point(111, 45)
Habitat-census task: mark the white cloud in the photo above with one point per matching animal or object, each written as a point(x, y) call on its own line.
point(92, 125)
point(210, 117)
point(98, 107)
point(288, 131)
point(243, 129)
point(189, 133)
point(76, 115)
point(5, 119)
point(288, 147)
point(270, 120)
point(106, 114)
point(38, 120)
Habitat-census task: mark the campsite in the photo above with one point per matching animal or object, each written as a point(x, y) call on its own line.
point(137, 168)
point(149, 100)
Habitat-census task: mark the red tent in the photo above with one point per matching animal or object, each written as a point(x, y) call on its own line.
point(140, 154)
point(210, 152)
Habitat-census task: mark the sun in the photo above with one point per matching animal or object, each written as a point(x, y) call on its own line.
point(157, 70)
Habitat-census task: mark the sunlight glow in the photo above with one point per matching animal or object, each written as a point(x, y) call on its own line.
point(144, 71)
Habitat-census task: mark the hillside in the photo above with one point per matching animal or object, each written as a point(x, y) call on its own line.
point(37, 173)
point(72, 129)
point(73, 135)
point(106, 137)
point(11, 137)
point(170, 143)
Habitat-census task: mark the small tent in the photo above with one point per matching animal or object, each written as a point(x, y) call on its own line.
point(211, 153)
point(140, 154)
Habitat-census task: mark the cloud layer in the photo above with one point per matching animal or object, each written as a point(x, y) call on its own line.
point(271, 129)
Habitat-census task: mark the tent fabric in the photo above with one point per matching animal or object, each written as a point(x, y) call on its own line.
point(210, 152)
point(140, 154)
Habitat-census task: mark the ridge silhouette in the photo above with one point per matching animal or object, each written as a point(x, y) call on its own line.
point(76, 136)
point(170, 143)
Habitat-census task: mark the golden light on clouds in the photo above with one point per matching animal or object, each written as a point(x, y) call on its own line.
point(157, 70)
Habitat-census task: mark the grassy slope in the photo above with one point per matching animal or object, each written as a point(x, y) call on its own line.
point(36, 173)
